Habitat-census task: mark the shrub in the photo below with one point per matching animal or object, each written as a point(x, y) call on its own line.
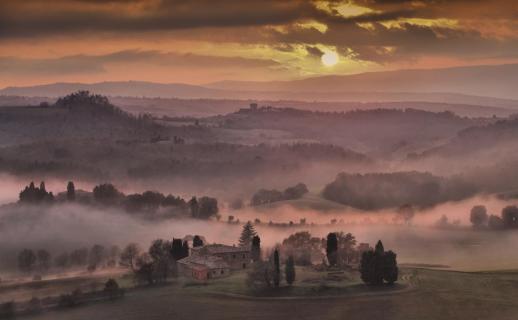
point(111, 287)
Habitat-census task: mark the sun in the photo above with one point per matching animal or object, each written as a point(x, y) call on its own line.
point(330, 58)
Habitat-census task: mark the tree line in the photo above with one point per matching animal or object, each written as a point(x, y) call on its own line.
point(107, 194)
point(41, 260)
point(264, 196)
point(508, 218)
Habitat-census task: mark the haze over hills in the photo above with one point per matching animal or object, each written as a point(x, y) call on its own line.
point(491, 86)
point(115, 88)
point(199, 108)
point(491, 81)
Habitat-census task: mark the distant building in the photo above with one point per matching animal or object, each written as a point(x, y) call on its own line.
point(214, 261)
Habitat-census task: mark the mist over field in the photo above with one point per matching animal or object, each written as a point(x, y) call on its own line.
point(358, 168)
point(63, 227)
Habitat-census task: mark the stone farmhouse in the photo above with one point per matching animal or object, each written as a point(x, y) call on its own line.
point(214, 261)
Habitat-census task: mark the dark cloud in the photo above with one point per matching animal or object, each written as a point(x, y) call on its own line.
point(26, 18)
point(382, 44)
point(314, 51)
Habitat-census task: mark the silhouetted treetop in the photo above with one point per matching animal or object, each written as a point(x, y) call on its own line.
point(83, 99)
point(33, 195)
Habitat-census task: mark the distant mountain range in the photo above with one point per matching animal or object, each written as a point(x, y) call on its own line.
point(491, 81)
point(479, 85)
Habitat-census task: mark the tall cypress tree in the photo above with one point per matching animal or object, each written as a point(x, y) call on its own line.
point(390, 272)
point(71, 191)
point(332, 249)
point(177, 249)
point(256, 249)
point(379, 265)
point(290, 270)
point(276, 269)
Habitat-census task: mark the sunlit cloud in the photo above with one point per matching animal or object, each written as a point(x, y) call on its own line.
point(367, 35)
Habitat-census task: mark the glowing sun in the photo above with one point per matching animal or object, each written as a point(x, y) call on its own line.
point(330, 58)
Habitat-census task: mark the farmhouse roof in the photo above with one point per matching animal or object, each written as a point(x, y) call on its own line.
point(220, 248)
point(210, 262)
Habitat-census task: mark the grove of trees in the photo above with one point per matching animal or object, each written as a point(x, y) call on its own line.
point(264, 196)
point(147, 203)
point(266, 274)
point(378, 266)
point(508, 219)
point(34, 195)
point(375, 191)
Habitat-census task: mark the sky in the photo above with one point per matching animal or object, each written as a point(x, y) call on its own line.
point(203, 41)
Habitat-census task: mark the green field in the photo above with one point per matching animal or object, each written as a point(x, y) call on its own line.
point(310, 201)
point(431, 294)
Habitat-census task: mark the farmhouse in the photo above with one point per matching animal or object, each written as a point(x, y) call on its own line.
point(203, 267)
point(236, 257)
point(214, 261)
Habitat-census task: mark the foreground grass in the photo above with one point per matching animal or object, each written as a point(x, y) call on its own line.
point(310, 283)
point(437, 294)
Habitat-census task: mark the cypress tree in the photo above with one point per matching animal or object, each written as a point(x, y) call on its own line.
point(379, 265)
point(71, 191)
point(332, 248)
point(256, 249)
point(177, 249)
point(290, 270)
point(276, 269)
point(390, 272)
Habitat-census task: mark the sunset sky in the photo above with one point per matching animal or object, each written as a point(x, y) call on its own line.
point(201, 41)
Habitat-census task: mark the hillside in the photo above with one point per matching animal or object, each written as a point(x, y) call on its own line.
point(379, 132)
point(176, 107)
point(495, 138)
point(309, 201)
point(490, 86)
point(76, 116)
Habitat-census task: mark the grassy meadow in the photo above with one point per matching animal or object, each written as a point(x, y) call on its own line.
point(422, 294)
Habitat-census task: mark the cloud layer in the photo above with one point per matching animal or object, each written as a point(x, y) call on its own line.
point(281, 38)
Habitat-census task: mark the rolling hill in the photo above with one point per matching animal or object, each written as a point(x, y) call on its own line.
point(491, 86)
point(489, 81)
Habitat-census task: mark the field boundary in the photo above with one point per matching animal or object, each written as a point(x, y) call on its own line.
point(403, 289)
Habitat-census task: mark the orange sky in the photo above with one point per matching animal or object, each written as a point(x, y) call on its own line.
point(201, 41)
